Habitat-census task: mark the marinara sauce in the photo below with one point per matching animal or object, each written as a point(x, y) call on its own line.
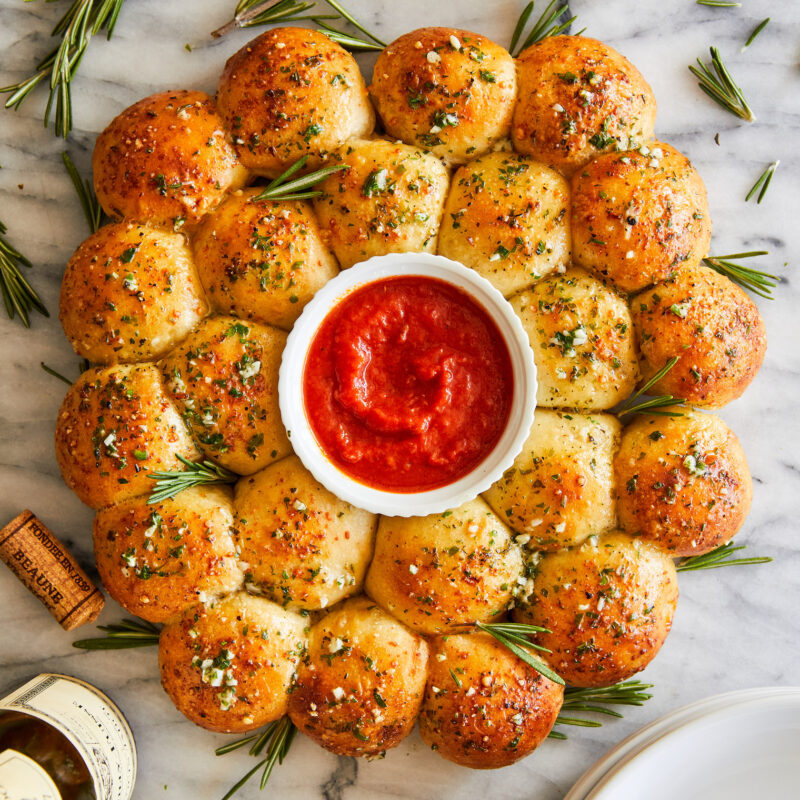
point(407, 384)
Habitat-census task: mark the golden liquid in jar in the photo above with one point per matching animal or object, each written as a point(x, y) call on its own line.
point(49, 748)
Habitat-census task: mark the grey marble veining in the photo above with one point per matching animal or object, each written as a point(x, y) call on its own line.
point(734, 629)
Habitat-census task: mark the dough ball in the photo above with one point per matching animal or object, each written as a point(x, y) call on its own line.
point(229, 665)
point(445, 569)
point(713, 328)
point(224, 379)
point(116, 425)
point(165, 160)
point(157, 560)
point(485, 708)
point(389, 200)
point(447, 90)
point(579, 97)
point(609, 604)
point(130, 293)
point(302, 546)
point(682, 482)
point(262, 260)
point(640, 215)
point(582, 339)
point(507, 217)
point(360, 685)
point(560, 489)
point(292, 92)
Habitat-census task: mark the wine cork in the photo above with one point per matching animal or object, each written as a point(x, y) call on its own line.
point(49, 571)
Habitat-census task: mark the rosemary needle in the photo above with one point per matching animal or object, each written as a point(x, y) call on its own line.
point(653, 404)
point(51, 371)
point(515, 636)
point(171, 483)
point(721, 557)
point(717, 82)
point(19, 296)
point(95, 216)
point(718, 3)
point(755, 281)
point(760, 27)
point(763, 182)
point(546, 26)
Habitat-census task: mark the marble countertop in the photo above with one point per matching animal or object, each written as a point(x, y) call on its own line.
point(734, 629)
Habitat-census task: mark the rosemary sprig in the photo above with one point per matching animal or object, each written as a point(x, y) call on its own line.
point(763, 182)
point(276, 739)
point(653, 404)
point(19, 296)
point(51, 371)
point(721, 557)
point(249, 13)
point(756, 281)
point(718, 3)
point(758, 28)
point(124, 635)
point(720, 86)
point(171, 483)
point(516, 637)
point(95, 216)
point(597, 701)
point(547, 25)
point(252, 13)
point(279, 189)
point(83, 20)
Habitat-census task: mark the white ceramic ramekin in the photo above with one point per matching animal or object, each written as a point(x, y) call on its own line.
point(290, 387)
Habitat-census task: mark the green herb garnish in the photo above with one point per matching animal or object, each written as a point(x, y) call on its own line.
point(95, 216)
point(717, 82)
point(763, 182)
point(276, 739)
point(755, 281)
point(124, 635)
point(653, 404)
point(515, 636)
point(282, 189)
point(80, 23)
point(19, 296)
point(546, 26)
point(597, 701)
point(202, 473)
point(758, 28)
point(721, 557)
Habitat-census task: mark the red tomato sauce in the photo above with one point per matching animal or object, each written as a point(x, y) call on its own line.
point(407, 384)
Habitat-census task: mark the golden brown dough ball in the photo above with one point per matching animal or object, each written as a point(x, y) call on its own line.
point(262, 260)
point(682, 482)
point(560, 489)
point(229, 665)
point(445, 569)
point(577, 98)
point(609, 604)
point(485, 708)
point(507, 217)
point(582, 339)
point(157, 560)
point(447, 90)
point(116, 425)
point(360, 685)
point(165, 160)
point(640, 215)
point(224, 378)
point(302, 546)
point(389, 200)
point(292, 92)
point(130, 293)
point(711, 325)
